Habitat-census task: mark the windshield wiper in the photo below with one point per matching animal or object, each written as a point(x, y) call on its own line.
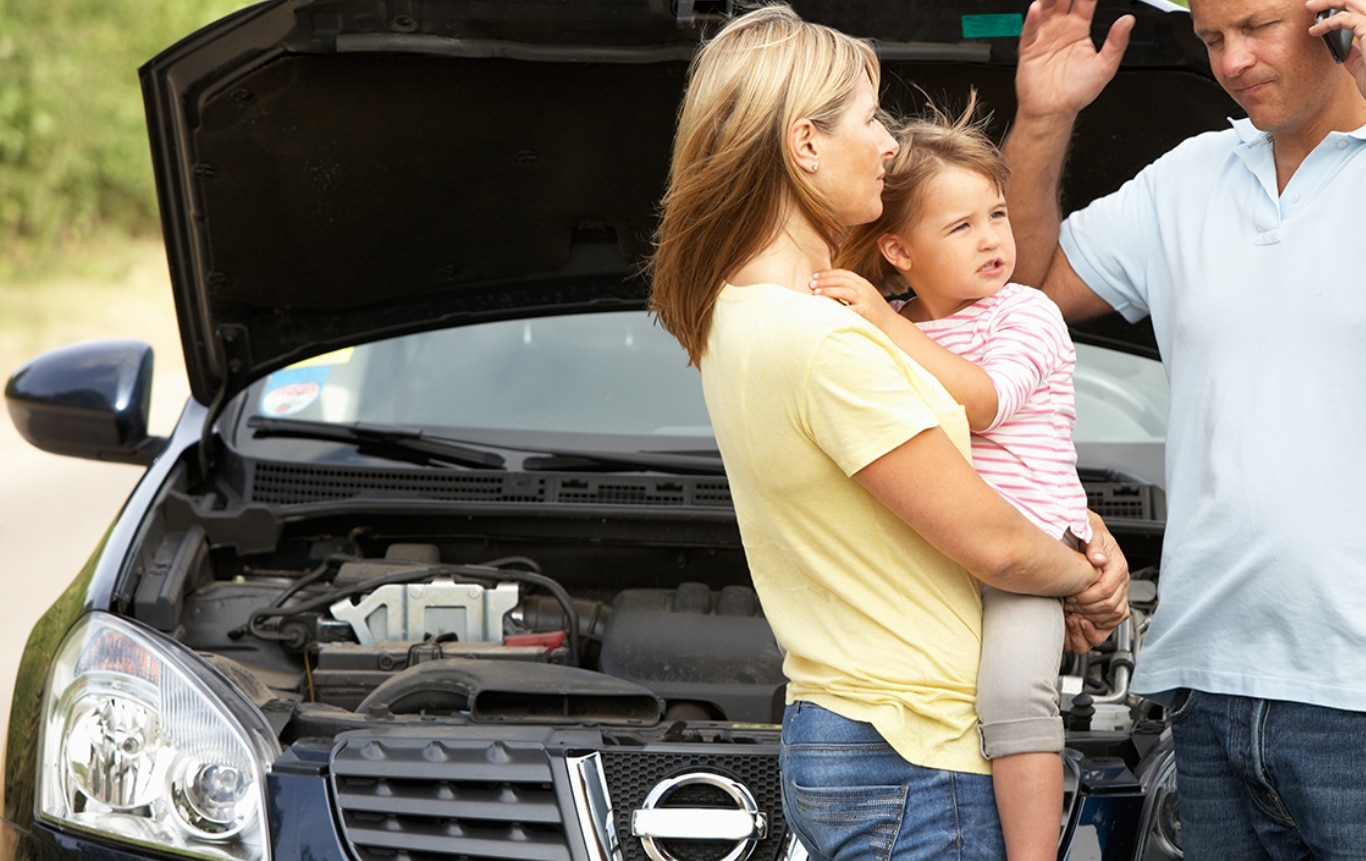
point(415, 445)
point(391, 442)
point(644, 461)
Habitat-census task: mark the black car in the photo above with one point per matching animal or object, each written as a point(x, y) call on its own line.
point(440, 560)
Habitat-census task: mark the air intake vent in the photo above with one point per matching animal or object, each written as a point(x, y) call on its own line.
point(1133, 501)
point(286, 484)
point(299, 484)
point(410, 798)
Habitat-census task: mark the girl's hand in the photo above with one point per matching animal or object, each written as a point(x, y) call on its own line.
point(857, 292)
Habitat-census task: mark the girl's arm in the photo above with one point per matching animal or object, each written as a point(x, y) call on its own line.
point(969, 384)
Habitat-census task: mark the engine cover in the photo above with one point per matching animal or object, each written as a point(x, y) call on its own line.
point(694, 645)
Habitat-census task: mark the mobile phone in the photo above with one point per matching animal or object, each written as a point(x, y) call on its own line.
point(1339, 42)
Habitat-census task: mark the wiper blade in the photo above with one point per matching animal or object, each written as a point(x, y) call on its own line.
point(392, 442)
point(645, 461)
point(414, 444)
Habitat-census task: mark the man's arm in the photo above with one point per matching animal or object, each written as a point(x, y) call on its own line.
point(1073, 297)
point(1060, 72)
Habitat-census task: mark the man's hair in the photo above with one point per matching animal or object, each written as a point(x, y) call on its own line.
point(930, 143)
point(733, 178)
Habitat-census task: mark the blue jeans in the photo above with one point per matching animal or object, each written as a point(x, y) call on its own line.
point(1265, 779)
point(849, 797)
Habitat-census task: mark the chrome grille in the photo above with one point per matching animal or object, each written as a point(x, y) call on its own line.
point(632, 774)
point(421, 799)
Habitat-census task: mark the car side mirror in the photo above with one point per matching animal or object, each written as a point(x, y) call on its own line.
point(89, 400)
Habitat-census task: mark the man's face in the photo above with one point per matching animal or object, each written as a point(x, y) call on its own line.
point(1261, 53)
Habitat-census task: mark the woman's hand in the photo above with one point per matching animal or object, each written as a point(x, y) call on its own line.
point(1094, 612)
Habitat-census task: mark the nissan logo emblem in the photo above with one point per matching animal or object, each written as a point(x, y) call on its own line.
point(743, 826)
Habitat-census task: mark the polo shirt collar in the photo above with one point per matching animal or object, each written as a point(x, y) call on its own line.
point(1248, 134)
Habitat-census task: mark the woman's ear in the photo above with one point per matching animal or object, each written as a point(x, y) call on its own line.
point(803, 145)
point(895, 252)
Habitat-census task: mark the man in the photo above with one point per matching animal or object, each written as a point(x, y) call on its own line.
point(1242, 245)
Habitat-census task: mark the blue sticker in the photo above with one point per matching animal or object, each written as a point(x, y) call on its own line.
point(1002, 26)
point(293, 390)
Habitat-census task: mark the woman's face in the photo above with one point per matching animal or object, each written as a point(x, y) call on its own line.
point(852, 159)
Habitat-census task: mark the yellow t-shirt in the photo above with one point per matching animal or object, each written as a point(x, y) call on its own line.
point(877, 625)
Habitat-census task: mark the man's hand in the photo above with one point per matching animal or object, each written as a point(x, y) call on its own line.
point(1094, 612)
point(1351, 16)
point(1060, 71)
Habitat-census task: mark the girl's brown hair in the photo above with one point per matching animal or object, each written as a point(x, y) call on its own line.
point(929, 143)
point(733, 179)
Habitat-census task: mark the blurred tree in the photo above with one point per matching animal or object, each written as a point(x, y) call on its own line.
point(73, 148)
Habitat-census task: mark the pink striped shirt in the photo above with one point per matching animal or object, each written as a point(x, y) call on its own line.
point(1019, 338)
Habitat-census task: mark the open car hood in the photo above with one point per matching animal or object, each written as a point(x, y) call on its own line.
point(334, 171)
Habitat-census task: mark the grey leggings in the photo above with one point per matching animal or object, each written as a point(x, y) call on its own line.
point(1017, 684)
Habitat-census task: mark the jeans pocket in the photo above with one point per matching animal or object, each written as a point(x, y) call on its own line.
point(849, 822)
point(1183, 704)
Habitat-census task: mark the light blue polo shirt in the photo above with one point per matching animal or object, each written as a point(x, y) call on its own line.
point(1258, 300)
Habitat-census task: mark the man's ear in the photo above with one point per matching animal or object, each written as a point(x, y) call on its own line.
point(804, 147)
point(894, 251)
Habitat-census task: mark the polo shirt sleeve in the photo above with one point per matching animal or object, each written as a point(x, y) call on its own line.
point(863, 398)
point(1110, 242)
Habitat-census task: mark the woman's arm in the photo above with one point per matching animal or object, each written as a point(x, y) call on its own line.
point(928, 484)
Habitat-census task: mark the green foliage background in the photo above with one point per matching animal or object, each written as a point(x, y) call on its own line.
point(74, 159)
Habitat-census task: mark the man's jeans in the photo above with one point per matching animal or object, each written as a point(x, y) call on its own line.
point(1265, 779)
point(848, 796)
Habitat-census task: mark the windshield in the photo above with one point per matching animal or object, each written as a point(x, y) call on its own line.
point(613, 375)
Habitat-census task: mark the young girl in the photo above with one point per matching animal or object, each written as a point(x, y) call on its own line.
point(1003, 351)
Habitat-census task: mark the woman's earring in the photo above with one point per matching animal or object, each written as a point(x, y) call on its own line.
point(814, 166)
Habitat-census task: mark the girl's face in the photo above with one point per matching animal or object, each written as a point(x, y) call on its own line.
point(961, 248)
point(852, 159)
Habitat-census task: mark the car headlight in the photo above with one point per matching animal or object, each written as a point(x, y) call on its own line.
point(1161, 826)
point(143, 742)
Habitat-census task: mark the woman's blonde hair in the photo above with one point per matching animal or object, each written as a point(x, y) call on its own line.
point(733, 177)
point(929, 143)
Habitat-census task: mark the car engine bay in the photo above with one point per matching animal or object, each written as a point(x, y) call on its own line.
point(481, 611)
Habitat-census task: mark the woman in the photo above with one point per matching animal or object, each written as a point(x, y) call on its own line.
point(866, 529)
